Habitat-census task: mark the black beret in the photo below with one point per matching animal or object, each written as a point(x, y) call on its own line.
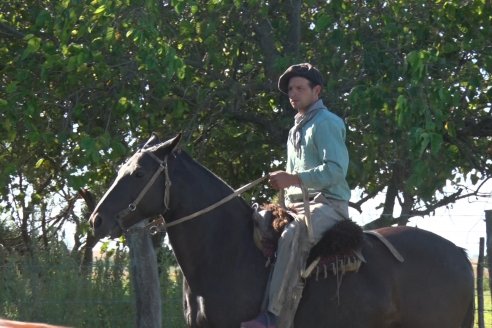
point(305, 70)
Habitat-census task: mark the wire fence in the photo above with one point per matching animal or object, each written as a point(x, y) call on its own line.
point(50, 287)
point(59, 295)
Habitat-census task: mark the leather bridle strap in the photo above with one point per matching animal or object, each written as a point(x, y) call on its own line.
point(160, 223)
point(217, 204)
point(133, 205)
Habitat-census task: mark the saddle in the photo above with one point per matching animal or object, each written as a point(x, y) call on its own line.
point(337, 252)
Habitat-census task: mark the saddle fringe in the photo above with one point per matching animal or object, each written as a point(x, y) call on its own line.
point(342, 242)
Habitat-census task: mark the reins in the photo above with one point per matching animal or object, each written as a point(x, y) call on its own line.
point(160, 224)
point(217, 204)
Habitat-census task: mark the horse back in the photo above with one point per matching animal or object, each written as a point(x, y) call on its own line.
point(432, 287)
point(435, 280)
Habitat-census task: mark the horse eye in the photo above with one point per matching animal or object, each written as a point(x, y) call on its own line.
point(139, 173)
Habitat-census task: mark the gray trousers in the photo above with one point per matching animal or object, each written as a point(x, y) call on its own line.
point(293, 249)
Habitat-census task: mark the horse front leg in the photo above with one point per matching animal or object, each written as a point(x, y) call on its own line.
point(193, 309)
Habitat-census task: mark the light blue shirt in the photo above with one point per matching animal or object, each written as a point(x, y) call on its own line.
point(323, 160)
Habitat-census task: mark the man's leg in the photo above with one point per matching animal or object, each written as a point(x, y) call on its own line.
point(288, 258)
point(293, 247)
point(292, 252)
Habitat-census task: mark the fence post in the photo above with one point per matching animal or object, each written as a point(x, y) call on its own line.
point(488, 224)
point(145, 278)
point(480, 302)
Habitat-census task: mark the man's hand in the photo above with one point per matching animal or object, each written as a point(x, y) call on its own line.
point(281, 179)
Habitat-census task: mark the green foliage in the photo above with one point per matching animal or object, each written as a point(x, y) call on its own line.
point(411, 85)
point(83, 81)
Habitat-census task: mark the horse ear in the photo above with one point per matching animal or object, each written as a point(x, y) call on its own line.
point(153, 140)
point(169, 146)
point(175, 141)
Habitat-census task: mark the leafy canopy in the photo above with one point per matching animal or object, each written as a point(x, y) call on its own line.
point(83, 81)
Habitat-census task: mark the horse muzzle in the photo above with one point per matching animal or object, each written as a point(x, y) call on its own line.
point(103, 227)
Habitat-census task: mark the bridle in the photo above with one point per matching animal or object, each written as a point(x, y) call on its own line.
point(160, 224)
point(121, 216)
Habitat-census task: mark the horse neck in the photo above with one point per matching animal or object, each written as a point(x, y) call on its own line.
point(216, 243)
point(194, 188)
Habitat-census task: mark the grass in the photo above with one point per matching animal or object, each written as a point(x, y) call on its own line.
point(49, 288)
point(487, 305)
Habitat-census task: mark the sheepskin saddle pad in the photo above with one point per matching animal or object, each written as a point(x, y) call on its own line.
point(337, 252)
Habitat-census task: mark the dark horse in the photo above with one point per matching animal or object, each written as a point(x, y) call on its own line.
point(225, 272)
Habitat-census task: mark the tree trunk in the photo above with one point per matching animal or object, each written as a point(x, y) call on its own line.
point(86, 261)
point(145, 278)
point(91, 240)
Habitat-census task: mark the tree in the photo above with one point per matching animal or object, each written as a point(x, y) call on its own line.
point(421, 97)
point(73, 95)
point(410, 78)
point(82, 82)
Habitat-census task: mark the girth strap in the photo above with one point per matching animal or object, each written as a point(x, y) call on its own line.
point(386, 243)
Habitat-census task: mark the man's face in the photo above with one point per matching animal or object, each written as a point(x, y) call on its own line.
point(301, 95)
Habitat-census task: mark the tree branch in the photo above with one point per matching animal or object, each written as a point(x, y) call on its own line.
point(482, 128)
point(10, 32)
point(264, 30)
point(293, 41)
point(358, 205)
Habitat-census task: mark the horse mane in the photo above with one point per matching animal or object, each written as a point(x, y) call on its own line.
point(187, 157)
point(183, 155)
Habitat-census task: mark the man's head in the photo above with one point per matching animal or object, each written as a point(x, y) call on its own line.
point(304, 70)
point(303, 84)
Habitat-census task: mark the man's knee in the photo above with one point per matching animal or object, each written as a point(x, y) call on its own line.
point(288, 232)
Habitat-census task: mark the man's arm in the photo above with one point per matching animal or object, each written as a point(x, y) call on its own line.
point(281, 179)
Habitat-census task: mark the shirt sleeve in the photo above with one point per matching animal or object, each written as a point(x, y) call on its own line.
point(329, 140)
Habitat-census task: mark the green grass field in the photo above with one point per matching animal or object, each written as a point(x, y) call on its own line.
point(50, 288)
point(487, 306)
point(487, 310)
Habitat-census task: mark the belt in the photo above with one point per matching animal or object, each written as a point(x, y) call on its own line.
point(300, 200)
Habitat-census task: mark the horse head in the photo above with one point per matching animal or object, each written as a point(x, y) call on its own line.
point(139, 190)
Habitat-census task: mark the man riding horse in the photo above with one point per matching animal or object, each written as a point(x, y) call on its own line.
point(317, 162)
